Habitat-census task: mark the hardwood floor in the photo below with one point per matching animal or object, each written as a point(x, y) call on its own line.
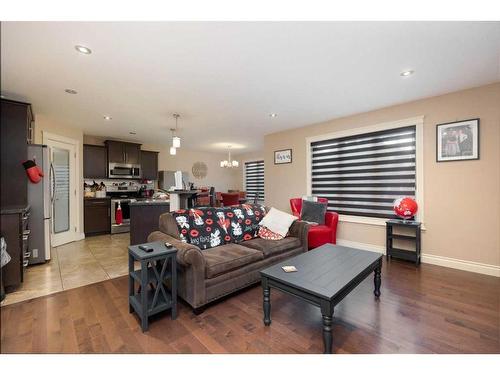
point(426, 310)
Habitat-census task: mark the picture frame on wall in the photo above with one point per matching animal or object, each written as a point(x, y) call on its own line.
point(283, 156)
point(457, 140)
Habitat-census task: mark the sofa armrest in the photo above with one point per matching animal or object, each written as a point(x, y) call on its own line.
point(332, 220)
point(187, 254)
point(300, 230)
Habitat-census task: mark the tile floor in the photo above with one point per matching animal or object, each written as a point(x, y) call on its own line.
point(73, 265)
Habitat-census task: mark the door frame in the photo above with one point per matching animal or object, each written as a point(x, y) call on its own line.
point(75, 214)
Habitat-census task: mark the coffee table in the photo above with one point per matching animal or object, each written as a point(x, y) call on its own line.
point(325, 276)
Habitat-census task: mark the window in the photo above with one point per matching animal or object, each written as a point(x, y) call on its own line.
point(362, 174)
point(254, 179)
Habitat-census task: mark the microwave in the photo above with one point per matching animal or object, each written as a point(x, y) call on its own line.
point(117, 170)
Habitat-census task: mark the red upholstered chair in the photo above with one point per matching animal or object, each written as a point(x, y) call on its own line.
point(318, 234)
point(230, 199)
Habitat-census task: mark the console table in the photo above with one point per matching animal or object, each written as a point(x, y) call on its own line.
point(157, 268)
point(392, 251)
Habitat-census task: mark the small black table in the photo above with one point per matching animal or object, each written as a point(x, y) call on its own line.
point(157, 268)
point(396, 252)
point(325, 276)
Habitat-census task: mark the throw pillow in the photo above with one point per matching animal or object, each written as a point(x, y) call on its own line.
point(267, 234)
point(278, 221)
point(313, 212)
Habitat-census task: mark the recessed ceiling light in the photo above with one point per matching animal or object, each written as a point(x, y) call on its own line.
point(273, 115)
point(132, 133)
point(71, 91)
point(107, 117)
point(84, 50)
point(406, 73)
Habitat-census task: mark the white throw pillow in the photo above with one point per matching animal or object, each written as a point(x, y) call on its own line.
point(278, 221)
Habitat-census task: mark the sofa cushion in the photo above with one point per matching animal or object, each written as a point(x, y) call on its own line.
point(222, 259)
point(271, 247)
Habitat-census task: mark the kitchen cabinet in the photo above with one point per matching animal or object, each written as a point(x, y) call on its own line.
point(15, 230)
point(16, 132)
point(97, 216)
point(123, 152)
point(149, 165)
point(95, 161)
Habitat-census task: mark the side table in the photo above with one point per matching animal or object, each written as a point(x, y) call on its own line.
point(157, 268)
point(392, 251)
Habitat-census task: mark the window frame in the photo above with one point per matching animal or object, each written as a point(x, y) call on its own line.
point(418, 121)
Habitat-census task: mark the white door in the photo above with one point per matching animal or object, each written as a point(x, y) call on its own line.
point(63, 228)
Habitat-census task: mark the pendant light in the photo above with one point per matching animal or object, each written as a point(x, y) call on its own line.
point(229, 163)
point(176, 141)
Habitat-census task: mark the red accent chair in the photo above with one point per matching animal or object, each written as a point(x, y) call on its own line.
point(318, 234)
point(230, 199)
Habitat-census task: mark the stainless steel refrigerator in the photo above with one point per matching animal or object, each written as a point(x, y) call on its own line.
point(40, 207)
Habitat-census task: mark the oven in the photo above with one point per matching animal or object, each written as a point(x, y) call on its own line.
point(125, 206)
point(117, 170)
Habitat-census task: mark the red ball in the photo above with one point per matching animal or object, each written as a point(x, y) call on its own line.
point(405, 207)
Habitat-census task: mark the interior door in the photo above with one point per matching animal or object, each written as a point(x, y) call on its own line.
point(63, 192)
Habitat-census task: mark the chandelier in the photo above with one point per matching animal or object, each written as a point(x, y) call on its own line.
point(176, 141)
point(229, 163)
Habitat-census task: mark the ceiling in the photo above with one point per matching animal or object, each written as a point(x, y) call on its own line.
point(225, 78)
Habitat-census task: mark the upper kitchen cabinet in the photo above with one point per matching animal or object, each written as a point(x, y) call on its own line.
point(16, 133)
point(149, 165)
point(95, 161)
point(123, 152)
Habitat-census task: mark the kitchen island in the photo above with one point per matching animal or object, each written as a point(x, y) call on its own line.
point(144, 217)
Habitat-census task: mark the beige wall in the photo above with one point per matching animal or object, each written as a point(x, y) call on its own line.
point(221, 179)
point(43, 124)
point(461, 199)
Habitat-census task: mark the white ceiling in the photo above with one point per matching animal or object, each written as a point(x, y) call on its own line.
point(226, 78)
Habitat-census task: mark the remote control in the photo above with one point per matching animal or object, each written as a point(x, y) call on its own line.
point(146, 248)
point(168, 245)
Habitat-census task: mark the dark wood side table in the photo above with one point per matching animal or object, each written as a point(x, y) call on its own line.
point(392, 251)
point(157, 268)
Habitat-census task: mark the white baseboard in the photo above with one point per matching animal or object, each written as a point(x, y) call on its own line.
point(464, 265)
point(79, 236)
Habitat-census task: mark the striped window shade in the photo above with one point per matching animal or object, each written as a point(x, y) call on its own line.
point(254, 179)
point(361, 175)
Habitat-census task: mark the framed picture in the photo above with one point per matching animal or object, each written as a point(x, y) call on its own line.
point(457, 140)
point(283, 156)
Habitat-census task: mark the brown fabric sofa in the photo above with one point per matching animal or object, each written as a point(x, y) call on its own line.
point(205, 276)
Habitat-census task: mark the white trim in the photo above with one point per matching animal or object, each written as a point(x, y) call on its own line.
point(464, 265)
point(418, 121)
point(46, 138)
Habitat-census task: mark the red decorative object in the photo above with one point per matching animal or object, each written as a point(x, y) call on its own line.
point(318, 234)
point(33, 171)
point(405, 207)
point(119, 214)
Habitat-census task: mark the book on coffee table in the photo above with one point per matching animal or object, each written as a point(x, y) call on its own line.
point(289, 269)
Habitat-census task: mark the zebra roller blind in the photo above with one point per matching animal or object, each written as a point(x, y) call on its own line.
point(361, 175)
point(254, 179)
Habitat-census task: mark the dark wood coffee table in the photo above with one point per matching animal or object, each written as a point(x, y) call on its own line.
point(325, 276)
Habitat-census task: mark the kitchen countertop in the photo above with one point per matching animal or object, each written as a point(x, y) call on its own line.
point(149, 202)
point(14, 210)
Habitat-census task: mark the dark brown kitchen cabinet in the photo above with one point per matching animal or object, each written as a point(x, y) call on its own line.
point(97, 216)
point(123, 152)
point(149, 165)
point(15, 230)
point(95, 161)
point(132, 153)
point(16, 132)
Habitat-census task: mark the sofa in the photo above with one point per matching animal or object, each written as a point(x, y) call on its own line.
point(206, 275)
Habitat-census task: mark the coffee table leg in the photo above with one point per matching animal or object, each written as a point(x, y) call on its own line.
point(267, 302)
point(327, 313)
point(377, 279)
